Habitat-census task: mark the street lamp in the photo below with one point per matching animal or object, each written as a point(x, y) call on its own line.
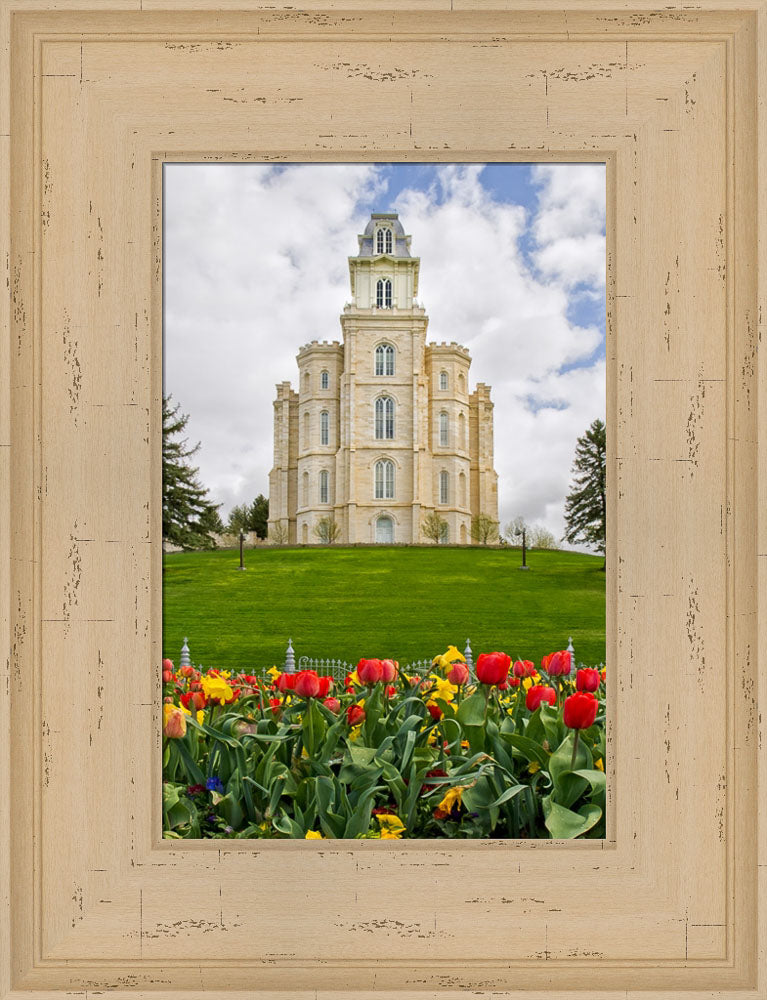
point(523, 532)
point(242, 540)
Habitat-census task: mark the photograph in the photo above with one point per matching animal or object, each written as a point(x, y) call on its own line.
point(384, 501)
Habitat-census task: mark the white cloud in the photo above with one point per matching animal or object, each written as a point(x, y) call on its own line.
point(256, 265)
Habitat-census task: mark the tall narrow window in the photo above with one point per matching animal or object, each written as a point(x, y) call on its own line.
point(384, 480)
point(462, 430)
point(306, 431)
point(462, 488)
point(324, 427)
point(384, 359)
point(324, 486)
point(443, 380)
point(383, 293)
point(443, 482)
point(324, 380)
point(443, 429)
point(384, 418)
point(305, 491)
point(384, 241)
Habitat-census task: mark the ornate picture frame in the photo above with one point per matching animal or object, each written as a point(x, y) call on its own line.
point(673, 101)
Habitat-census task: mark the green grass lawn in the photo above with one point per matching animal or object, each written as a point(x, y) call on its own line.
point(404, 603)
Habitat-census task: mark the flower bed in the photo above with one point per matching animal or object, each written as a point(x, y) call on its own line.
point(509, 751)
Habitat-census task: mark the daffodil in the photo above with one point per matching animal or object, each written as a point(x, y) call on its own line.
point(452, 798)
point(354, 732)
point(216, 689)
point(200, 717)
point(443, 688)
point(274, 673)
point(354, 677)
point(452, 655)
point(527, 683)
point(313, 835)
point(599, 764)
point(392, 826)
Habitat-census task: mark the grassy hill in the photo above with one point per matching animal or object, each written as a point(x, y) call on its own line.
point(404, 603)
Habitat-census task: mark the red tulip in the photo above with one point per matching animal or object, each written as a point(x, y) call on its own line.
point(504, 685)
point(458, 674)
point(175, 725)
point(587, 679)
point(524, 668)
point(307, 684)
point(333, 704)
point(389, 670)
point(286, 682)
point(167, 676)
point(275, 704)
point(514, 682)
point(390, 690)
point(325, 684)
point(557, 664)
point(492, 668)
point(187, 671)
point(370, 671)
point(580, 710)
point(167, 664)
point(193, 699)
point(538, 693)
point(355, 714)
point(434, 711)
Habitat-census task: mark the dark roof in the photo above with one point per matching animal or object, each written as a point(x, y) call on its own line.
point(400, 242)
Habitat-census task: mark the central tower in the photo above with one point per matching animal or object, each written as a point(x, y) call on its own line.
point(380, 464)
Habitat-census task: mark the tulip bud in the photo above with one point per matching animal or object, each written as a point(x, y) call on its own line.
point(492, 668)
point(370, 671)
point(580, 710)
point(307, 684)
point(458, 674)
point(388, 670)
point(537, 694)
point(524, 668)
point(167, 676)
point(175, 724)
point(434, 710)
point(355, 714)
point(167, 664)
point(333, 704)
point(587, 679)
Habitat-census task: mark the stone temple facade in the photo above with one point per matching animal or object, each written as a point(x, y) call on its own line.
point(384, 428)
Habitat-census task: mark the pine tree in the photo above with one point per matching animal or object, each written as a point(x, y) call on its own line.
point(189, 519)
point(585, 506)
point(259, 515)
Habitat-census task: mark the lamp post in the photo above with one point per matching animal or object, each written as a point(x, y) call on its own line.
point(242, 540)
point(523, 532)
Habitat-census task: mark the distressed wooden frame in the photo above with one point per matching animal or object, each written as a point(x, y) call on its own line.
point(673, 99)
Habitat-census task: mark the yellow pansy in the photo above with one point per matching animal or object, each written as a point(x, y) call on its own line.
point(451, 656)
point(313, 835)
point(452, 797)
point(599, 764)
point(534, 766)
point(216, 689)
point(392, 826)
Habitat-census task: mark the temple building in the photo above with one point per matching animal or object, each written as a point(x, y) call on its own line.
point(383, 429)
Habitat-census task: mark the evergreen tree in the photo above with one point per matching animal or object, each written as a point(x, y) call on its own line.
point(585, 506)
point(239, 520)
point(259, 515)
point(189, 519)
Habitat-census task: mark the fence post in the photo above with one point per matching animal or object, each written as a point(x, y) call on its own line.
point(467, 656)
point(571, 651)
point(185, 658)
point(290, 659)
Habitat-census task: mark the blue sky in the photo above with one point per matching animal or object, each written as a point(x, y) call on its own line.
point(512, 266)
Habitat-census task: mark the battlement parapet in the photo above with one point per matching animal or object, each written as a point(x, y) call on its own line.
point(452, 348)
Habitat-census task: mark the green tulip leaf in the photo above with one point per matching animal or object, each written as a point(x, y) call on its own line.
point(564, 824)
point(471, 711)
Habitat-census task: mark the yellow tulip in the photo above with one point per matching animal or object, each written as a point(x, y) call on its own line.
point(313, 835)
point(174, 722)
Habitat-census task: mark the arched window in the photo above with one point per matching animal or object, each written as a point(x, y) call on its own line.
point(307, 380)
point(307, 429)
point(324, 380)
point(324, 427)
point(384, 359)
point(443, 481)
point(383, 293)
point(443, 380)
point(305, 533)
point(384, 480)
point(443, 428)
point(462, 488)
point(463, 534)
point(384, 418)
point(461, 383)
point(305, 491)
point(443, 534)
point(324, 486)
point(384, 241)
point(462, 430)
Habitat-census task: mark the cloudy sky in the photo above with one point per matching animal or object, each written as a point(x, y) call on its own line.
point(512, 266)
